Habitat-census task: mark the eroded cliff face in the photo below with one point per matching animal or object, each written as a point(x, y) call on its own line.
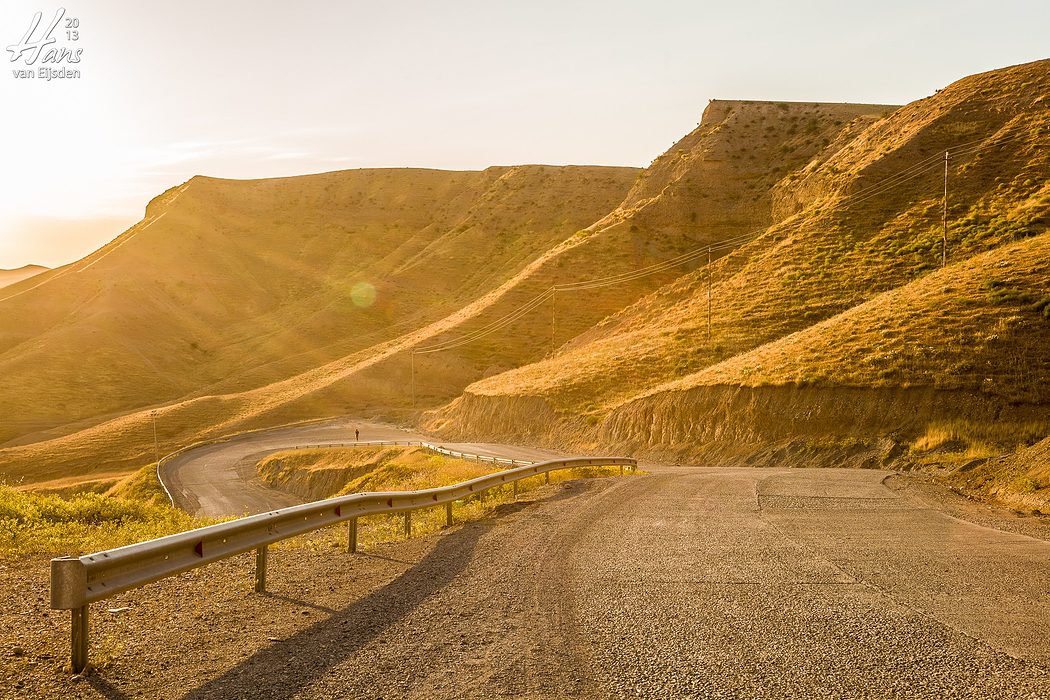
point(680, 424)
point(780, 426)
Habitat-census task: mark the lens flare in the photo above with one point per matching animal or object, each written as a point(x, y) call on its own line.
point(363, 294)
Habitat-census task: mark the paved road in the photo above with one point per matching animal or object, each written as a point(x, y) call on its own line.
point(687, 583)
point(219, 480)
point(684, 582)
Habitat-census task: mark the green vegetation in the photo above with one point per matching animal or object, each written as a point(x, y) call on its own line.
point(32, 523)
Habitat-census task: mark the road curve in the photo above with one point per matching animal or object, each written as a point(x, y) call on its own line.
point(686, 582)
point(683, 583)
point(219, 479)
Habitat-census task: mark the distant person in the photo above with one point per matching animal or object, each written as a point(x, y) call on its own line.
point(357, 435)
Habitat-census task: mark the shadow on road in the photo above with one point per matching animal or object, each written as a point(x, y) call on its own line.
point(106, 689)
point(301, 603)
point(286, 667)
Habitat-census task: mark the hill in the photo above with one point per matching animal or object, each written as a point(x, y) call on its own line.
point(8, 277)
point(303, 363)
point(592, 318)
point(227, 286)
point(859, 220)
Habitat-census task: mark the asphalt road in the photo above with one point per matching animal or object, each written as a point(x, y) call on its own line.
point(220, 479)
point(685, 582)
point(682, 583)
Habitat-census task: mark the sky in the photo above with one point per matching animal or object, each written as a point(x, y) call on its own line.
point(244, 89)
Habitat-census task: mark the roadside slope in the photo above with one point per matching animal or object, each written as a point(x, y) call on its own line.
point(736, 152)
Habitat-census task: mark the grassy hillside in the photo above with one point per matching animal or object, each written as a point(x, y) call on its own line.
point(325, 472)
point(372, 374)
point(727, 162)
point(230, 285)
point(943, 373)
point(8, 277)
point(982, 325)
point(335, 286)
point(862, 218)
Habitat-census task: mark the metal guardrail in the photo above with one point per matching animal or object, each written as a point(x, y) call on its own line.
point(417, 443)
point(76, 582)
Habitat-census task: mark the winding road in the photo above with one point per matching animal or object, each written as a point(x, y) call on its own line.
point(685, 582)
point(220, 479)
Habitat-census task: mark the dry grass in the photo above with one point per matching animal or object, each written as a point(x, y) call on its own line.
point(33, 523)
point(975, 326)
point(279, 271)
point(973, 440)
point(831, 257)
point(326, 472)
point(746, 166)
point(1020, 478)
point(136, 509)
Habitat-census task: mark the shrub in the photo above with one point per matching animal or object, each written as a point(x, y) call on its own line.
point(32, 523)
point(1042, 307)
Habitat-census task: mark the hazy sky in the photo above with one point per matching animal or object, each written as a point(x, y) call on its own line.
point(253, 89)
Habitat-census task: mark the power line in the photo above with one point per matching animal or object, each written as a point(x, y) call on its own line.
point(918, 169)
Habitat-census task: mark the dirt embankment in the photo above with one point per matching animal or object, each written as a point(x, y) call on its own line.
point(679, 423)
point(313, 474)
point(781, 426)
point(526, 420)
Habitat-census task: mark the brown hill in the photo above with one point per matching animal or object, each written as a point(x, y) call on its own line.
point(835, 209)
point(8, 277)
point(653, 223)
point(230, 285)
point(862, 218)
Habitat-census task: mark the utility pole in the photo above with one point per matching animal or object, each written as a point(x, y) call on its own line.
point(156, 445)
point(944, 215)
point(554, 310)
point(413, 379)
point(709, 293)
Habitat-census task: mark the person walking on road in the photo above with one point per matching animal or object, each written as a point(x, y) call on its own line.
point(357, 435)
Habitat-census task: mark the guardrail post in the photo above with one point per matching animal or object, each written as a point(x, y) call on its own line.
point(260, 569)
point(448, 514)
point(79, 639)
point(515, 490)
point(546, 477)
point(621, 470)
point(68, 591)
point(408, 523)
point(351, 536)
